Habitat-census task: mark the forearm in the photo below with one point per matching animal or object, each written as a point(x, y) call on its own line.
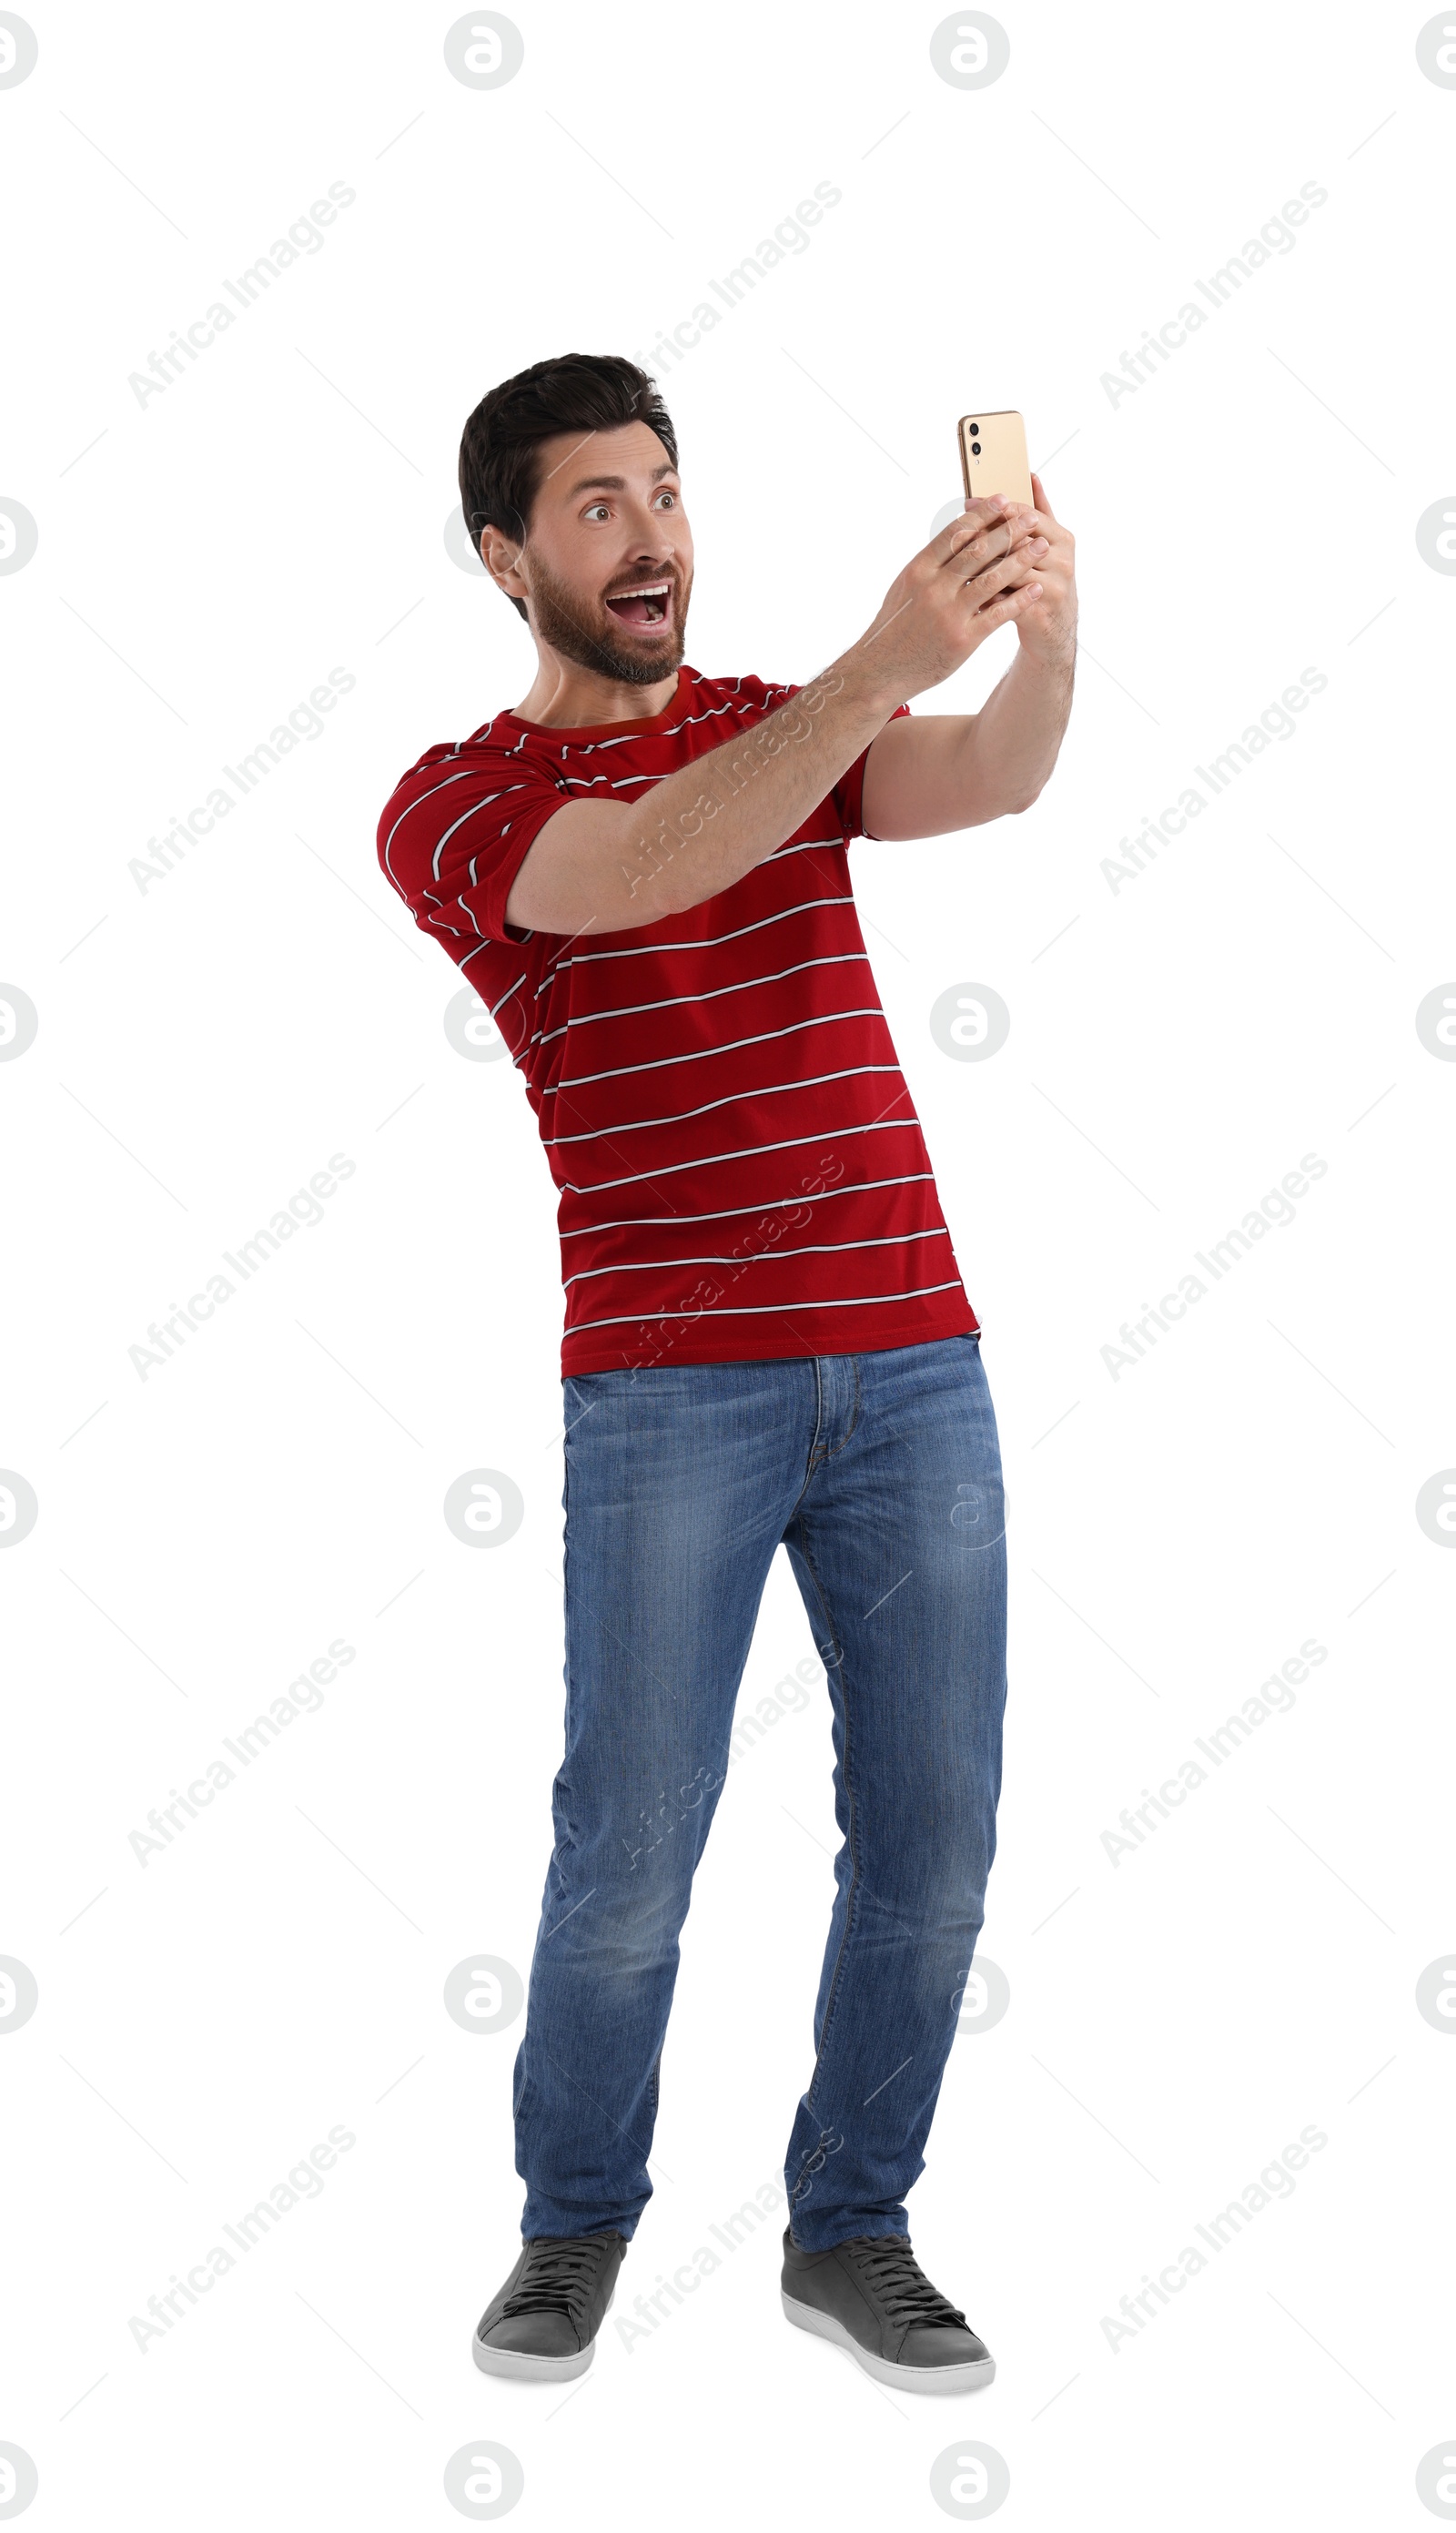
point(712, 821)
point(1008, 751)
point(613, 866)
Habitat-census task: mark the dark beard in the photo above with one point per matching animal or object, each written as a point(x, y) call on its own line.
point(559, 620)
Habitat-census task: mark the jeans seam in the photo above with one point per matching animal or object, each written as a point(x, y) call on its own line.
point(813, 1463)
point(850, 1839)
point(854, 1419)
point(565, 1601)
point(817, 1458)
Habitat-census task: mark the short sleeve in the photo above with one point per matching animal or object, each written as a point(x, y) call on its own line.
point(848, 791)
point(453, 836)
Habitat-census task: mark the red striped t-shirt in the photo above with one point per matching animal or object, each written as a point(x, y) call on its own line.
point(741, 1171)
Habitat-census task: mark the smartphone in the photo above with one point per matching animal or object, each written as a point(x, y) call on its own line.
point(993, 456)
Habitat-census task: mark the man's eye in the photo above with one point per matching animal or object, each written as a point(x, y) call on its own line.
point(668, 495)
point(597, 505)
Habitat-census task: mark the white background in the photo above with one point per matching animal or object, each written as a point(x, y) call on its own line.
point(207, 1042)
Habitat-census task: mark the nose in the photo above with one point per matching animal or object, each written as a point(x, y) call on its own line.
point(652, 546)
point(654, 536)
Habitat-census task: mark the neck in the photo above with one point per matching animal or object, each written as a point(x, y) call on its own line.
point(563, 696)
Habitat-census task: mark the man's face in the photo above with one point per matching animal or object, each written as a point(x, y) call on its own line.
point(608, 521)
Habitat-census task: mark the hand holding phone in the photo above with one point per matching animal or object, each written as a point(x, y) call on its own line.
point(975, 575)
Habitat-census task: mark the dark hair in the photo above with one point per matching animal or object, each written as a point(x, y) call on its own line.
point(500, 467)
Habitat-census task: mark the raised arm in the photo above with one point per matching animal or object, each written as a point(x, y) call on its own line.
point(943, 771)
point(613, 865)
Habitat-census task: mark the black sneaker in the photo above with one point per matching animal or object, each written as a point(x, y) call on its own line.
point(542, 2326)
point(871, 2297)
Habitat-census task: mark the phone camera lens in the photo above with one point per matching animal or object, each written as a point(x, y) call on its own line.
point(975, 448)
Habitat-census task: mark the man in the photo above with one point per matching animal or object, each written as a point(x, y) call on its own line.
point(643, 873)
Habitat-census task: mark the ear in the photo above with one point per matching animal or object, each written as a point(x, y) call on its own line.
point(501, 559)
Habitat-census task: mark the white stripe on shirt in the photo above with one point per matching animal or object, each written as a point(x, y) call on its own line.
point(749, 1153)
point(758, 1257)
point(695, 1055)
point(473, 812)
point(669, 1002)
point(732, 1099)
point(415, 804)
point(728, 1213)
point(760, 1310)
point(712, 941)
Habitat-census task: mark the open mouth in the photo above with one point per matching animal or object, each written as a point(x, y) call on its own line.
point(647, 607)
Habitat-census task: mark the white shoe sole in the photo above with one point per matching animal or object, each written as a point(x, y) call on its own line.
point(525, 2369)
point(910, 2379)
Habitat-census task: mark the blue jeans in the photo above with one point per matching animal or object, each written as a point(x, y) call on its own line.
point(881, 1474)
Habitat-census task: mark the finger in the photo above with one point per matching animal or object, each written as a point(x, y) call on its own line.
point(1030, 521)
point(978, 516)
point(1042, 504)
point(1055, 540)
point(1026, 523)
point(967, 543)
point(1005, 571)
point(1015, 602)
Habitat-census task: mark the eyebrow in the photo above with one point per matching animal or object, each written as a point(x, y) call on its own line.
point(617, 483)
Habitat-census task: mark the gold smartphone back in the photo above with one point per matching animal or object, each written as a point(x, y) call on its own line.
point(993, 455)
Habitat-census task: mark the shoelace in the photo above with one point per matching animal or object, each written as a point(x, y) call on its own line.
point(894, 2274)
point(556, 2279)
